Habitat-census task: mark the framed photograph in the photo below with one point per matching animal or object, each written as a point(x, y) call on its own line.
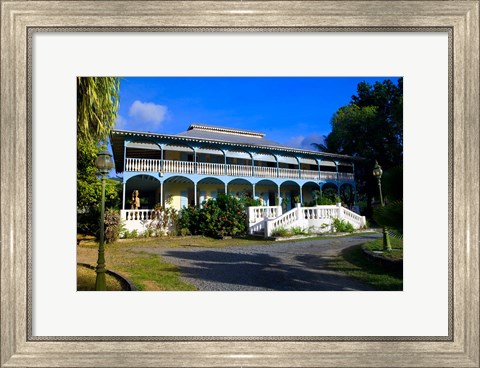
point(431, 322)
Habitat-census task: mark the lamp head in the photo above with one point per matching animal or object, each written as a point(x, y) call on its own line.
point(377, 170)
point(104, 162)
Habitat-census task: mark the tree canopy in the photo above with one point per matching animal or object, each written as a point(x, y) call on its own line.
point(97, 106)
point(371, 125)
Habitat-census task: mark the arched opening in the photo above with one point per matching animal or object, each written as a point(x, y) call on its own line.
point(267, 192)
point(178, 158)
point(265, 165)
point(310, 193)
point(210, 161)
point(330, 192)
point(148, 188)
point(240, 188)
point(289, 195)
point(209, 188)
point(179, 192)
point(288, 167)
point(143, 155)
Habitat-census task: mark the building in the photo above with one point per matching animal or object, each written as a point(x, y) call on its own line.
point(190, 167)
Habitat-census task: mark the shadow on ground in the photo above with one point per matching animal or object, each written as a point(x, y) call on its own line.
point(223, 270)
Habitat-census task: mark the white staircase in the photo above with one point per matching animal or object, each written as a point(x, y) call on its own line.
point(265, 220)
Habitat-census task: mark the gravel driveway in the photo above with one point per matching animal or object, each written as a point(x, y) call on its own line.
point(280, 266)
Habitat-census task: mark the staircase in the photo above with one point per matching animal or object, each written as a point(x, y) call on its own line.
point(265, 220)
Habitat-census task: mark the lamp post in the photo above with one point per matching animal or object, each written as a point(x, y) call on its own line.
point(104, 164)
point(377, 172)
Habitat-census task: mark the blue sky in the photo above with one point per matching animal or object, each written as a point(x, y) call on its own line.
point(291, 110)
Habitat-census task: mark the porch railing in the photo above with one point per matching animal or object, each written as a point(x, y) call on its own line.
point(206, 168)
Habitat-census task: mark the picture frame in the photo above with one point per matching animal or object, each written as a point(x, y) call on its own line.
point(20, 18)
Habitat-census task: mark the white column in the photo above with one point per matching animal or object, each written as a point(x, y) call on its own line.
point(161, 193)
point(195, 193)
point(123, 195)
point(301, 194)
point(253, 194)
point(226, 192)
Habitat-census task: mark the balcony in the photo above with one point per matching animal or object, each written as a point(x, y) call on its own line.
point(205, 168)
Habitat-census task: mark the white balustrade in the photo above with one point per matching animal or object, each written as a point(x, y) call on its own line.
point(207, 168)
point(310, 175)
point(265, 172)
point(142, 164)
point(239, 170)
point(210, 168)
point(346, 176)
point(328, 175)
point(288, 173)
point(183, 167)
point(318, 218)
point(256, 213)
point(136, 215)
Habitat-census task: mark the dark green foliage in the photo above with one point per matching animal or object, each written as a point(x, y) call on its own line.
point(113, 225)
point(189, 219)
point(97, 106)
point(342, 226)
point(223, 216)
point(89, 189)
point(390, 216)
point(371, 127)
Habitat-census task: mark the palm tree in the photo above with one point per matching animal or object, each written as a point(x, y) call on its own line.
point(97, 106)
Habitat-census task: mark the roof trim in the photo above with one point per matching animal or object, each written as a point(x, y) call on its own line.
point(234, 131)
point(223, 143)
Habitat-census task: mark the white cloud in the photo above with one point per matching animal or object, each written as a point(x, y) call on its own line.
point(148, 112)
point(305, 142)
point(120, 123)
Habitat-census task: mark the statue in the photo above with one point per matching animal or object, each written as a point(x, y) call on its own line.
point(135, 200)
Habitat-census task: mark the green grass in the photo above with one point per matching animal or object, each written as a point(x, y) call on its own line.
point(353, 262)
point(87, 277)
point(149, 271)
point(377, 245)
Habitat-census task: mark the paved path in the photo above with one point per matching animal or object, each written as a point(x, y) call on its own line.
point(280, 266)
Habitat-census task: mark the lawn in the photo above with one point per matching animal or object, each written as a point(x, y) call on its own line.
point(353, 262)
point(149, 271)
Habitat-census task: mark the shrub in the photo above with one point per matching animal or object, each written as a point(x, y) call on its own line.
point(164, 221)
point(189, 219)
point(134, 234)
point(297, 230)
point(281, 232)
point(342, 226)
point(113, 225)
point(223, 216)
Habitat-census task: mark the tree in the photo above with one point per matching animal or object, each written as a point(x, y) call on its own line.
point(369, 127)
point(97, 106)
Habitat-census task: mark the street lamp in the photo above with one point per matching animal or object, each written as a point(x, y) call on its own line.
point(104, 164)
point(377, 172)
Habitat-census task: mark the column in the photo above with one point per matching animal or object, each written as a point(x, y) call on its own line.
point(123, 194)
point(299, 169)
point(253, 193)
point(161, 193)
point(195, 193)
point(301, 194)
point(226, 192)
point(195, 167)
point(338, 179)
point(225, 164)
